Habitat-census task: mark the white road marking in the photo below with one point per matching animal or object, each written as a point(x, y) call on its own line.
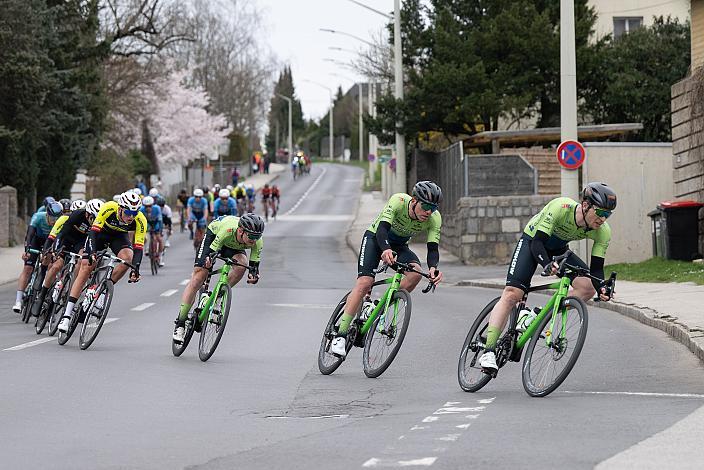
point(423, 462)
point(641, 394)
point(298, 203)
point(184, 282)
point(417, 428)
point(463, 426)
point(487, 400)
point(168, 293)
point(45, 340)
point(310, 417)
point(315, 218)
point(141, 307)
point(30, 344)
point(450, 409)
point(321, 306)
point(430, 419)
point(449, 437)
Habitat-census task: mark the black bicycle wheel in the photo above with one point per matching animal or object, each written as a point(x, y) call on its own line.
point(546, 366)
point(178, 348)
point(58, 307)
point(327, 361)
point(384, 338)
point(75, 319)
point(469, 375)
point(96, 314)
point(44, 312)
point(214, 324)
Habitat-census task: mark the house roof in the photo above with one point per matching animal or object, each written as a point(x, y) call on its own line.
point(549, 135)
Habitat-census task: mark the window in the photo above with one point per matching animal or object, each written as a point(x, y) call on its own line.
point(625, 25)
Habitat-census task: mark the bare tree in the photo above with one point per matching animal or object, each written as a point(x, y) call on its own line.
point(377, 62)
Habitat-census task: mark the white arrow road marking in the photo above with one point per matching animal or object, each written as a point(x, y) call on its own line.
point(141, 307)
point(168, 293)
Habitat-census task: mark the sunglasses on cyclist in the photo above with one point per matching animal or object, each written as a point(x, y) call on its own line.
point(129, 212)
point(253, 236)
point(602, 212)
point(428, 207)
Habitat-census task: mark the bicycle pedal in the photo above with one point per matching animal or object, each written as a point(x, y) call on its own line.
point(490, 372)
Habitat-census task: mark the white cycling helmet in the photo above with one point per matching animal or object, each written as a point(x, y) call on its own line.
point(153, 192)
point(130, 200)
point(93, 207)
point(148, 201)
point(137, 190)
point(224, 193)
point(198, 192)
point(240, 185)
point(78, 204)
point(229, 187)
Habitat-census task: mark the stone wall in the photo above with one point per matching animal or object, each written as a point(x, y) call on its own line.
point(484, 230)
point(688, 141)
point(12, 228)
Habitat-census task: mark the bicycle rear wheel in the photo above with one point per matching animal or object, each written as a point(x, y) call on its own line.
point(214, 324)
point(384, 338)
point(178, 348)
point(96, 314)
point(58, 307)
point(469, 375)
point(546, 366)
point(327, 361)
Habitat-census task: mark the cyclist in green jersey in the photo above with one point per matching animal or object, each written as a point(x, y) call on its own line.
point(562, 220)
point(229, 236)
point(402, 217)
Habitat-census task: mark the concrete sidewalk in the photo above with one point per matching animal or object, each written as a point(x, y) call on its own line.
point(675, 308)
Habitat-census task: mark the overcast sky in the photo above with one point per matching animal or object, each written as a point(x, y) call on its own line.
point(293, 33)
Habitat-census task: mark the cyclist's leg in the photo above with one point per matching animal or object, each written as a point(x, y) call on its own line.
point(582, 287)
point(369, 256)
point(406, 255)
point(197, 278)
point(122, 248)
point(236, 272)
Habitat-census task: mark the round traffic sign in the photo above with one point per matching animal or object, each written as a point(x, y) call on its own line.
point(571, 154)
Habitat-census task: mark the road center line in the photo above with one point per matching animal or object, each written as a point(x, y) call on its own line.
point(141, 307)
point(168, 293)
point(312, 186)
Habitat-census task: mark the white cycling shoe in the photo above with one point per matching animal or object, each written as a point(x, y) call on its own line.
point(17, 307)
point(338, 346)
point(65, 322)
point(179, 334)
point(488, 361)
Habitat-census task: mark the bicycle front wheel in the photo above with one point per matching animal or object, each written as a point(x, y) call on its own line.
point(469, 373)
point(96, 315)
point(214, 324)
point(327, 361)
point(384, 338)
point(553, 350)
point(178, 348)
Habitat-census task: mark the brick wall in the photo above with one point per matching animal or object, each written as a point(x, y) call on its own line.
point(687, 108)
point(484, 230)
point(12, 228)
point(545, 162)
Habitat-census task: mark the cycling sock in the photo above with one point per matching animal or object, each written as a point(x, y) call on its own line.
point(19, 296)
point(44, 291)
point(492, 336)
point(345, 323)
point(69, 306)
point(183, 311)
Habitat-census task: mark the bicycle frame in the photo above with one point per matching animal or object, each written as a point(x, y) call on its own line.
point(562, 286)
point(224, 271)
point(384, 301)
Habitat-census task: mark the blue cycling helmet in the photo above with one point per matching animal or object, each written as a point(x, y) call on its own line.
point(54, 209)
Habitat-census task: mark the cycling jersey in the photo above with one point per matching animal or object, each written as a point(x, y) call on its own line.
point(557, 219)
point(197, 206)
point(250, 193)
point(402, 226)
point(108, 224)
point(275, 193)
point(166, 211)
point(266, 193)
point(225, 207)
point(70, 230)
point(154, 218)
point(225, 230)
point(42, 227)
point(240, 193)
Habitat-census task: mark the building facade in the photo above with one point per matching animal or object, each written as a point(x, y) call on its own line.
point(618, 17)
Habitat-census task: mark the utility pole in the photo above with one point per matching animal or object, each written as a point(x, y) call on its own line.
point(400, 178)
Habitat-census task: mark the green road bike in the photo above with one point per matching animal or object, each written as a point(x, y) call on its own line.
point(381, 333)
point(210, 315)
point(552, 341)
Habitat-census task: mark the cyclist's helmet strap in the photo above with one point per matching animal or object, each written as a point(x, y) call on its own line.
point(428, 192)
point(600, 195)
point(251, 223)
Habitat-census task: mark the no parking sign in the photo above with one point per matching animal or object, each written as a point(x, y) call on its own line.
point(571, 154)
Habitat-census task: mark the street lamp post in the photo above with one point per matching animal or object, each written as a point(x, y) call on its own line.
point(290, 126)
point(331, 139)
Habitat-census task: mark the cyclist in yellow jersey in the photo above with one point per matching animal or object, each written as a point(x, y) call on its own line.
point(110, 229)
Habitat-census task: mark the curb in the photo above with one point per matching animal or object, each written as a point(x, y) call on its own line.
point(351, 245)
point(693, 339)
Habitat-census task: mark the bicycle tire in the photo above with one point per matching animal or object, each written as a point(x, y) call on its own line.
point(483, 379)
point(328, 334)
point(204, 353)
point(75, 319)
point(178, 348)
point(106, 288)
point(44, 313)
point(374, 372)
point(528, 383)
point(59, 306)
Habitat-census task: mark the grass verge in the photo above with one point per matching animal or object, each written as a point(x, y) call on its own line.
point(659, 270)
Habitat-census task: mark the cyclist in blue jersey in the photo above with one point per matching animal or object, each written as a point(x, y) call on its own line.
point(37, 233)
point(198, 212)
point(155, 226)
point(224, 205)
point(251, 195)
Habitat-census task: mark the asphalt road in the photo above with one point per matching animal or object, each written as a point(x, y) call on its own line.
point(260, 402)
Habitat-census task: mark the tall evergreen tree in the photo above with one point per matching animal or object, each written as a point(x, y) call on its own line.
point(278, 112)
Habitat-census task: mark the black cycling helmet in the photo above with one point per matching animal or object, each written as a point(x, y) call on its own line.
point(428, 192)
point(252, 223)
point(599, 195)
point(54, 209)
point(66, 204)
